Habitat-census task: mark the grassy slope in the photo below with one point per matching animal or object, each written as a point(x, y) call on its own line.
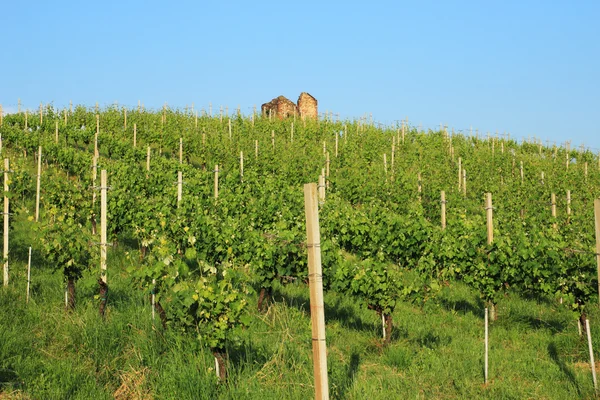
point(437, 350)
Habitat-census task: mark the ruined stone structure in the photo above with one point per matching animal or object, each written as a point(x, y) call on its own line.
point(307, 106)
point(283, 108)
point(280, 107)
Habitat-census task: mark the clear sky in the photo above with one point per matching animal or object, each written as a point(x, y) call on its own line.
point(531, 68)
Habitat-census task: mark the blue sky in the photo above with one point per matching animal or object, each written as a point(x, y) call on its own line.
point(530, 68)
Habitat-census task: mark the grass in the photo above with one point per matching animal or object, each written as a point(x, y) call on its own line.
point(436, 352)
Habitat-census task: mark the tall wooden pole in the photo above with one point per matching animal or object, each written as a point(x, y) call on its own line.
point(37, 190)
point(315, 282)
point(103, 235)
point(6, 210)
point(179, 187)
point(443, 200)
point(134, 135)
point(217, 181)
point(597, 226)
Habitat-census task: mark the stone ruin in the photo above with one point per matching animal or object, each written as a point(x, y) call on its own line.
point(307, 107)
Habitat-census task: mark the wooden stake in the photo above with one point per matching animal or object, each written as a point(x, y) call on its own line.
point(41, 114)
point(125, 118)
point(464, 184)
point(553, 199)
point(490, 218)
point(385, 164)
point(217, 181)
point(315, 278)
point(103, 233)
point(179, 187)
point(321, 188)
point(37, 191)
point(597, 227)
point(134, 135)
point(96, 136)
point(459, 173)
point(6, 227)
point(256, 149)
point(485, 362)
point(443, 200)
point(230, 134)
point(180, 150)
point(522, 174)
point(241, 166)
point(148, 160)
point(336, 144)
point(65, 116)
point(568, 203)
point(28, 275)
point(591, 350)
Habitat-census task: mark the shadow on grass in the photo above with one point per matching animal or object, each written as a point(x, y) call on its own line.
point(336, 311)
point(432, 340)
point(8, 378)
point(464, 307)
point(351, 371)
point(553, 353)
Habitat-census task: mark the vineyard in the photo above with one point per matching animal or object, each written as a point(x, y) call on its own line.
point(163, 254)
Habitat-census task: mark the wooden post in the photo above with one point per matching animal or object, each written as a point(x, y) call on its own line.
point(6, 227)
point(459, 173)
point(315, 279)
point(489, 215)
point(134, 135)
point(180, 150)
point(28, 274)
point(591, 350)
point(179, 187)
point(585, 170)
point(148, 160)
point(464, 184)
point(522, 175)
point(56, 132)
point(321, 189)
point(336, 144)
point(485, 362)
point(542, 177)
point(385, 164)
point(217, 181)
point(597, 226)
point(553, 199)
point(125, 117)
point(256, 149)
point(230, 134)
point(324, 147)
point(65, 116)
point(443, 200)
point(241, 166)
point(103, 233)
point(41, 114)
point(196, 121)
point(327, 168)
point(96, 136)
point(37, 191)
point(568, 203)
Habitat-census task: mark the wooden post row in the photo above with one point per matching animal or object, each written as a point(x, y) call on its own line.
point(315, 279)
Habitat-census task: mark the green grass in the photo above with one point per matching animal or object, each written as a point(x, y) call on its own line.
point(436, 352)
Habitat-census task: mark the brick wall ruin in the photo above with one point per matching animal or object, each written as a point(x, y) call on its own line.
point(282, 107)
point(307, 105)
